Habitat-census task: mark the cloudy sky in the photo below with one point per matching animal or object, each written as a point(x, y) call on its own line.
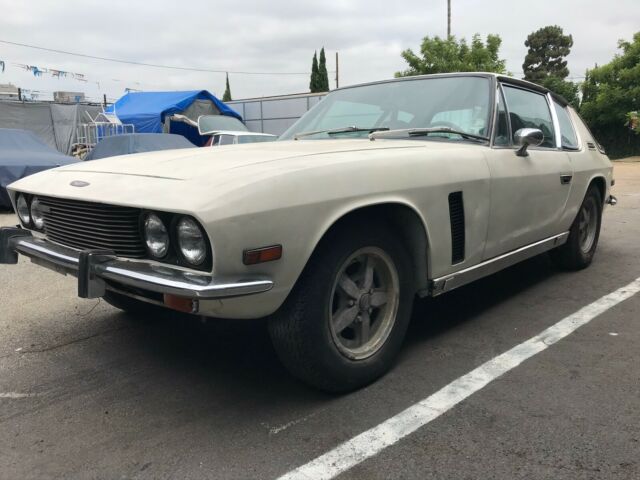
point(277, 36)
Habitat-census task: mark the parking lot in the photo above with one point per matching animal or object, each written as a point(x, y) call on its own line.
point(87, 391)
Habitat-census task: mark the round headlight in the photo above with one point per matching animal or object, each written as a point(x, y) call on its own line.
point(191, 241)
point(36, 213)
point(156, 236)
point(23, 209)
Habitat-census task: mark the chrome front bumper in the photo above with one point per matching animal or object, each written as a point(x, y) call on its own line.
point(96, 268)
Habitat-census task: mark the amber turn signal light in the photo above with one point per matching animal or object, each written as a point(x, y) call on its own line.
point(261, 255)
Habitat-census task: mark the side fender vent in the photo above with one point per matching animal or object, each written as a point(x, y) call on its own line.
point(456, 216)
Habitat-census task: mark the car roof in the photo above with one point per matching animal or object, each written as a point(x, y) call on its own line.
point(499, 77)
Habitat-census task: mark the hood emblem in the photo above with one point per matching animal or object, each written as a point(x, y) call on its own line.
point(79, 183)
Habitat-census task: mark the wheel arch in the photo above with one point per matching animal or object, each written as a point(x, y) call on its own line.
point(601, 184)
point(400, 216)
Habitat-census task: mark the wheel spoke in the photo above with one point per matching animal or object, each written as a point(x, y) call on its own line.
point(368, 274)
point(348, 286)
point(344, 318)
point(378, 299)
point(365, 324)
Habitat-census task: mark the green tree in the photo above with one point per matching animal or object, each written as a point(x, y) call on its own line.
point(609, 93)
point(548, 48)
point(322, 71)
point(226, 97)
point(545, 62)
point(565, 88)
point(439, 55)
point(314, 82)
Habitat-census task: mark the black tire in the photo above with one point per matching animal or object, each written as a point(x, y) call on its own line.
point(137, 308)
point(301, 331)
point(572, 255)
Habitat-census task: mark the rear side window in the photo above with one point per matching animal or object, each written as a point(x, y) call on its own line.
point(567, 133)
point(529, 110)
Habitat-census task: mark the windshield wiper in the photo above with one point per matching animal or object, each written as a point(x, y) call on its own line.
point(334, 131)
point(418, 132)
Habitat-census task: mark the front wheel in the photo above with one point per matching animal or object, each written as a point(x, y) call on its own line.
point(344, 322)
point(577, 253)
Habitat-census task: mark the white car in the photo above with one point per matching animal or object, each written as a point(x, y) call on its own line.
point(225, 130)
point(384, 191)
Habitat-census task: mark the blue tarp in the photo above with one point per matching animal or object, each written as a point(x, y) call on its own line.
point(137, 143)
point(23, 153)
point(147, 110)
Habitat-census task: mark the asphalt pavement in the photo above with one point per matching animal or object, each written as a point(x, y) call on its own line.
point(87, 391)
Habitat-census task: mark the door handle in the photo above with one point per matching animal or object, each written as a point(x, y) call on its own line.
point(565, 179)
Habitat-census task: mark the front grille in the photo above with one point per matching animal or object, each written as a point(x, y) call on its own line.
point(86, 225)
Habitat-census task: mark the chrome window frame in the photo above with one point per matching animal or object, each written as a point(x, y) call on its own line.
point(547, 96)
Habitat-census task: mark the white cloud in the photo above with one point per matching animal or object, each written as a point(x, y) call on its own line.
point(279, 35)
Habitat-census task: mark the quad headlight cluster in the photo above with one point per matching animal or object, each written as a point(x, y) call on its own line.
point(176, 236)
point(29, 211)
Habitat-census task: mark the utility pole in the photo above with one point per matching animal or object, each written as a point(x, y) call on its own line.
point(448, 19)
point(337, 69)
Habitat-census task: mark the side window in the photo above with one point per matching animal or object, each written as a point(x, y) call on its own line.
point(567, 133)
point(225, 140)
point(529, 110)
point(502, 137)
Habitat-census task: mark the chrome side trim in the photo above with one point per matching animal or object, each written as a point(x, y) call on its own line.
point(457, 279)
point(133, 273)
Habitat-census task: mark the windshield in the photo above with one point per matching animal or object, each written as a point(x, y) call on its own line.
point(216, 123)
point(459, 103)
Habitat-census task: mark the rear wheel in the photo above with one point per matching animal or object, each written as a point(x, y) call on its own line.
point(344, 322)
point(578, 251)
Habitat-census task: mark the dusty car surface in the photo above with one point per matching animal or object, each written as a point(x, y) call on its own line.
point(381, 192)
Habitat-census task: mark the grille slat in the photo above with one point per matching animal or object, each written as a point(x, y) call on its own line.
point(122, 234)
point(123, 242)
point(83, 225)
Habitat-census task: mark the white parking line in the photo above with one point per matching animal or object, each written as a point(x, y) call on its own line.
point(373, 441)
point(15, 395)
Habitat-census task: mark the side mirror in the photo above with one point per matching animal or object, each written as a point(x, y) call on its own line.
point(525, 137)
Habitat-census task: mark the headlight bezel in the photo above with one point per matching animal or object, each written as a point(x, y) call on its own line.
point(174, 254)
point(153, 217)
point(23, 196)
point(179, 241)
point(34, 222)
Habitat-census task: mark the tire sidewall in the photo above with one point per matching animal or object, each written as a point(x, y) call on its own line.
point(593, 195)
point(323, 270)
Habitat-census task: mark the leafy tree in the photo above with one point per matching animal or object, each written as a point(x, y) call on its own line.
point(314, 83)
point(567, 89)
point(226, 97)
point(439, 55)
point(322, 71)
point(545, 62)
point(609, 93)
point(633, 122)
point(548, 48)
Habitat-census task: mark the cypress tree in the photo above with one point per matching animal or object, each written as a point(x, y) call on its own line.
point(226, 97)
point(324, 75)
point(315, 74)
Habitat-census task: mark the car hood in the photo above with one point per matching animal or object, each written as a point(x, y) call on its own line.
point(193, 163)
point(189, 179)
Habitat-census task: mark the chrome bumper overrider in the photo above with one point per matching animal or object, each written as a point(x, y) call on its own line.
point(94, 268)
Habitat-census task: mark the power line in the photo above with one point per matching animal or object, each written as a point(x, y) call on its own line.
point(142, 64)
